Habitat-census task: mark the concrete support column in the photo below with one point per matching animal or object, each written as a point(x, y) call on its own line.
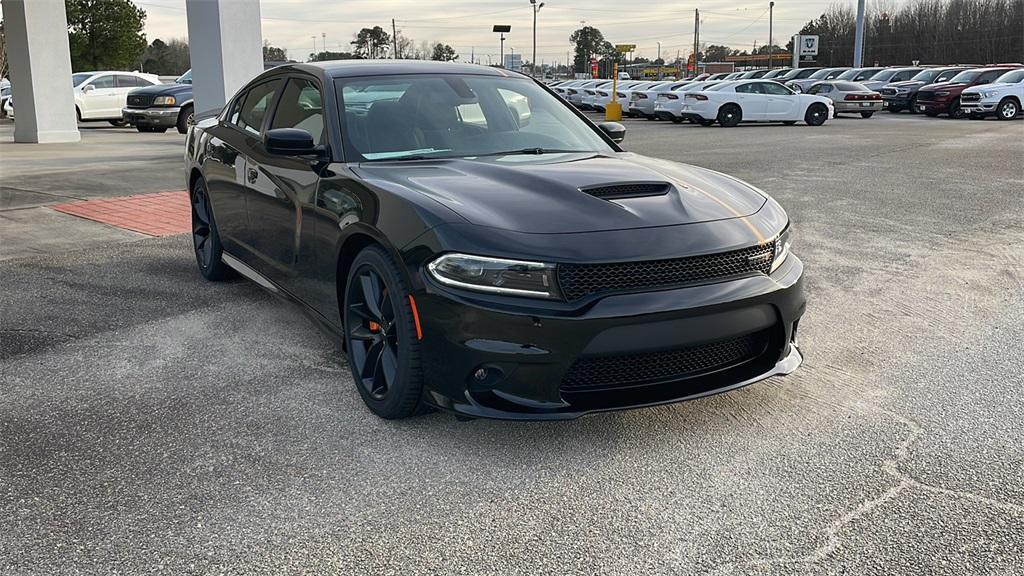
point(226, 43)
point(40, 62)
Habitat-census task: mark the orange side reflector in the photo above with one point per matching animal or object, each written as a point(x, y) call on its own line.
point(416, 318)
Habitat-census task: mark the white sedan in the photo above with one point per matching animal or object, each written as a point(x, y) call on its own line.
point(604, 95)
point(102, 95)
point(672, 108)
point(730, 103)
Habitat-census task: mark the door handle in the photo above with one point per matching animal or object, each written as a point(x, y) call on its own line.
point(251, 175)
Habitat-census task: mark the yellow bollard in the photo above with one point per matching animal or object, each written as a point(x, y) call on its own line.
point(613, 111)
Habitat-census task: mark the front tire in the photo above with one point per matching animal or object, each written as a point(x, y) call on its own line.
point(205, 239)
point(816, 115)
point(380, 336)
point(730, 115)
point(1008, 109)
point(956, 112)
point(866, 114)
point(118, 123)
point(185, 119)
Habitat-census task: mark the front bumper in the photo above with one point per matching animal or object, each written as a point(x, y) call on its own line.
point(897, 101)
point(162, 116)
point(979, 107)
point(936, 106)
point(482, 358)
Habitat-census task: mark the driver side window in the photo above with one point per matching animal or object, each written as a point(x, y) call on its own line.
point(774, 89)
point(301, 108)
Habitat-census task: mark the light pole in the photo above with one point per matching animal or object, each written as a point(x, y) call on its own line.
point(502, 29)
point(659, 60)
point(771, 40)
point(533, 62)
point(314, 47)
point(511, 58)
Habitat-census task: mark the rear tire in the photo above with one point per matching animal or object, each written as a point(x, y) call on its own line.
point(816, 115)
point(118, 123)
point(866, 114)
point(205, 239)
point(677, 120)
point(1008, 109)
point(185, 119)
point(730, 115)
point(380, 337)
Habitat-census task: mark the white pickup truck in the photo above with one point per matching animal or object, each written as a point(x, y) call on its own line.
point(1002, 98)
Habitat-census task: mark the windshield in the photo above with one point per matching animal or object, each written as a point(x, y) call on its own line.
point(185, 78)
point(925, 75)
point(77, 79)
point(849, 74)
point(454, 116)
point(965, 76)
point(883, 75)
point(1012, 77)
point(820, 74)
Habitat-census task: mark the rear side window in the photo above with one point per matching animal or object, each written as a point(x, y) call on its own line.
point(991, 75)
point(253, 110)
point(747, 89)
point(301, 107)
point(126, 81)
point(775, 89)
point(943, 77)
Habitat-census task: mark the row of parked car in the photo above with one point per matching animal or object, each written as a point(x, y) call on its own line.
point(123, 98)
point(781, 95)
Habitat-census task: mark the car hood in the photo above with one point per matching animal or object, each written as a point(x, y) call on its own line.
point(945, 86)
point(992, 86)
point(163, 89)
point(542, 194)
point(906, 84)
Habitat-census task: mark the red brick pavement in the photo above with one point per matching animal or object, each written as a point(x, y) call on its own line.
point(159, 214)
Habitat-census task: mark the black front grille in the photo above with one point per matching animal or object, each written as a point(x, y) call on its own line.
point(605, 372)
point(888, 91)
point(926, 96)
point(140, 100)
point(628, 190)
point(579, 280)
point(970, 98)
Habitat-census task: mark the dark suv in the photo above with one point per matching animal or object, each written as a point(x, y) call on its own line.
point(944, 97)
point(157, 108)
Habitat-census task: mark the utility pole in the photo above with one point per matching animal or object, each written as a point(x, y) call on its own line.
point(696, 40)
point(858, 41)
point(659, 60)
point(512, 58)
point(314, 47)
point(771, 39)
point(394, 40)
point(533, 61)
point(472, 55)
point(323, 35)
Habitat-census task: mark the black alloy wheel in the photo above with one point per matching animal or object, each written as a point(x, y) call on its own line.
point(956, 112)
point(730, 115)
point(866, 114)
point(1008, 109)
point(816, 115)
point(205, 240)
point(118, 123)
point(381, 338)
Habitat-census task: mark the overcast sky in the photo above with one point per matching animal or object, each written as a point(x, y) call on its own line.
point(466, 25)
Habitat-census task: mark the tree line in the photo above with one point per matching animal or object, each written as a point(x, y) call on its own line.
point(930, 31)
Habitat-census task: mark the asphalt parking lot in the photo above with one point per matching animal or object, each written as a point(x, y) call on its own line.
point(156, 423)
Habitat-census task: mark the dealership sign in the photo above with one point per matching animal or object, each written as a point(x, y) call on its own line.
point(808, 45)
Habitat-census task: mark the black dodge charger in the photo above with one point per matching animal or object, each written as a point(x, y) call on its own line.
point(479, 246)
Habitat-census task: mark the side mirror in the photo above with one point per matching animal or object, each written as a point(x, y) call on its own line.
point(289, 142)
point(614, 130)
point(88, 88)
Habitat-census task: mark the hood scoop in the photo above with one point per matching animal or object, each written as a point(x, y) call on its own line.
point(622, 190)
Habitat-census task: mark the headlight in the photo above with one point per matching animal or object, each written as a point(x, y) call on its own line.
point(164, 101)
point(496, 275)
point(903, 90)
point(943, 93)
point(781, 248)
point(989, 94)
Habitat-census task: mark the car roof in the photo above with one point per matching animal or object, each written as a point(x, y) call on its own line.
point(352, 68)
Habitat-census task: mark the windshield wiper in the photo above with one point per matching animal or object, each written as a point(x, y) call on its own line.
point(537, 151)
